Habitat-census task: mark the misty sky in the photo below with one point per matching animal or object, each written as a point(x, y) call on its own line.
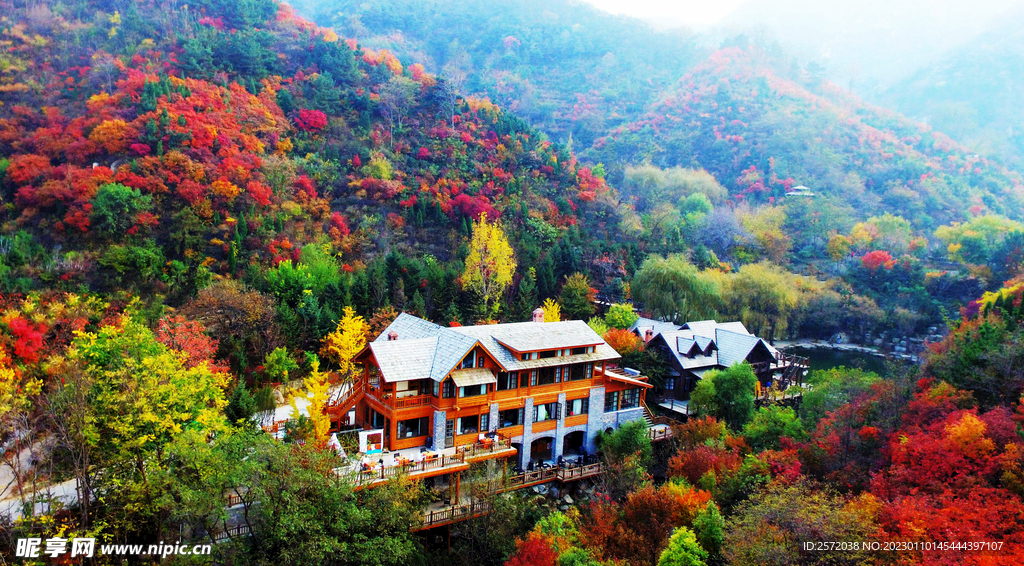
point(694, 13)
point(702, 13)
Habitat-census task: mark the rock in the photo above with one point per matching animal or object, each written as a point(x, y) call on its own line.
point(278, 397)
point(567, 499)
point(878, 342)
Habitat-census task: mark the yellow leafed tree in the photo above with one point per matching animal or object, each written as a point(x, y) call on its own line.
point(346, 341)
point(490, 265)
point(552, 311)
point(317, 393)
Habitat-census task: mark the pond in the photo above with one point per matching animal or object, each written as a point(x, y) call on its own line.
point(822, 358)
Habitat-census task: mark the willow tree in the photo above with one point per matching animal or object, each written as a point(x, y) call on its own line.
point(490, 265)
point(674, 289)
point(764, 296)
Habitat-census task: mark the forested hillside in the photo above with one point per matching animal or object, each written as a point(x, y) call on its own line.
point(152, 150)
point(747, 104)
point(207, 209)
point(566, 67)
point(973, 92)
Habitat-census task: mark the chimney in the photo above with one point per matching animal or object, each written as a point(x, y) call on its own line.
point(392, 335)
point(538, 315)
point(648, 335)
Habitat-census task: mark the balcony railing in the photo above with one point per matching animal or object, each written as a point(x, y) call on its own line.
point(389, 400)
point(430, 462)
point(488, 446)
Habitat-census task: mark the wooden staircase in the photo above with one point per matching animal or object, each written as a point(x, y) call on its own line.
point(337, 408)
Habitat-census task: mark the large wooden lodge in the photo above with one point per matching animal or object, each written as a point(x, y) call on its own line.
point(548, 389)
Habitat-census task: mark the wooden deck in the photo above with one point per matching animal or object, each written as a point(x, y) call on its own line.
point(459, 513)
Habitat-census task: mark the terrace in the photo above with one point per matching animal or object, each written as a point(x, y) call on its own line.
point(418, 463)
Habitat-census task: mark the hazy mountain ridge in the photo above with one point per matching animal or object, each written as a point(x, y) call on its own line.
point(974, 92)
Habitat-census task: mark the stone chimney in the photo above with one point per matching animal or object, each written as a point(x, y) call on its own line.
point(538, 315)
point(392, 335)
point(648, 335)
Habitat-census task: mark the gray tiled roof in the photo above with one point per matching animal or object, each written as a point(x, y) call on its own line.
point(540, 336)
point(472, 376)
point(426, 350)
point(729, 342)
point(734, 347)
point(708, 327)
point(404, 360)
point(703, 342)
point(642, 324)
point(449, 349)
point(531, 336)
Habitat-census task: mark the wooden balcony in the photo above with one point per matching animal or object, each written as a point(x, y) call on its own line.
point(487, 450)
point(429, 467)
point(394, 403)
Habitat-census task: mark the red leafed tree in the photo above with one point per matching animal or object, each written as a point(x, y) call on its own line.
point(311, 120)
point(28, 338)
point(259, 192)
point(187, 336)
point(875, 259)
point(535, 550)
point(623, 341)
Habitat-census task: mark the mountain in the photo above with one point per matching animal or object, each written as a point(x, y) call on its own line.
point(566, 67)
point(749, 112)
point(973, 92)
point(869, 45)
point(151, 149)
point(760, 129)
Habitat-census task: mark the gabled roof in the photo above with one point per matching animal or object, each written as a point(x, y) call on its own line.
point(707, 327)
point(404, 360)
point(527, 336)
point(425, 350)
point(734, 347)
point(658, 326)
point(703, 342)
point(706, 344)
point(532, 336)
point(448, 349)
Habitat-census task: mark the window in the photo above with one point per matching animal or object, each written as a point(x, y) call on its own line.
point(578, 351)
point(469, 425)
point(375, 377)
point(469, 361)
point(546, 376)
point(473, 390)
point(524, 379)
point(484, 420)
point(670, 383)
point(611, 401)
point(525, 356)
point(548, 354)
point(507, 381)
point(577, 407)
point(510, 417)
point(414, 427)
point(448, 389)
point(581, 371)
point(546, 412)
point(480, 361)
point(437, 389)
point(377, 420)
point(630, 398)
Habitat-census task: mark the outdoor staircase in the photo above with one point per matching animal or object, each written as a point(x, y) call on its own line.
point(346, 401)
point(648, 416)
